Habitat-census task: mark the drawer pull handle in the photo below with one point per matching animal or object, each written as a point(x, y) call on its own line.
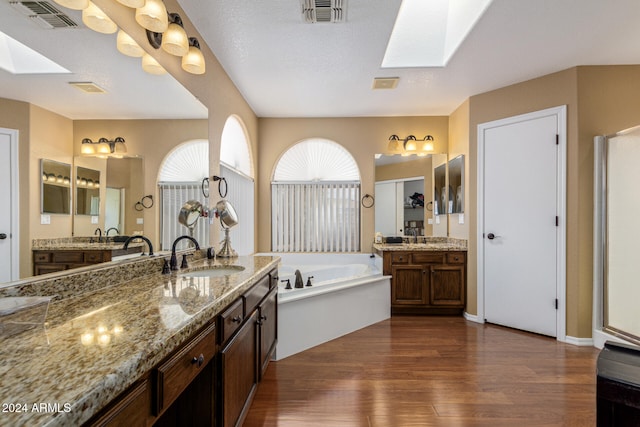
point(263, 317)
point(199, 360)
point(236, 319)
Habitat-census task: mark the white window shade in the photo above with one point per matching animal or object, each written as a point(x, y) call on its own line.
point(189, 162)
point(234, 148)
point(316, 160)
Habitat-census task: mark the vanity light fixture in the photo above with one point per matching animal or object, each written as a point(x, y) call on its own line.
point(175, 40)
point(103, 147)
point(126, 45)
point(153, 16)
point(151, 66)
point(94, 18)
point(193, 61)
point(410, 145)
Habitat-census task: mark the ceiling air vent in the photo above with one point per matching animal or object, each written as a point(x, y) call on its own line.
point(44, 14)
point(89, 87)
point(323, 10)
point(385, 82)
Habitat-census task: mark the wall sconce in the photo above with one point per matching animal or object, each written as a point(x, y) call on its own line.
point(193, 61)
point(410, 145)
point(103, 147)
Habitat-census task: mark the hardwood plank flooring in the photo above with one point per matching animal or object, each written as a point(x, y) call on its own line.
point(431, 371)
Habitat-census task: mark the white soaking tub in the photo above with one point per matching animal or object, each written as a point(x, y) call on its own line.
point(348, 292)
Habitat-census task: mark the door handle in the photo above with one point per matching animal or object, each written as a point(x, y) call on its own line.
point(3, 236)
point(491, 236)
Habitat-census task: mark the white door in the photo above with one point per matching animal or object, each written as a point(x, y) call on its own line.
point(521, 222)
point(389, 214)
point(9, 202)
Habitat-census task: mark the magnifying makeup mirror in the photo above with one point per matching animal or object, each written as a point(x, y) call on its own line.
point(228, 218)
point(189, 214)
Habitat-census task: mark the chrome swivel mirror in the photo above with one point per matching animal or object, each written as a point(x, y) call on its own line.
point(189, 214)
point(228, 218)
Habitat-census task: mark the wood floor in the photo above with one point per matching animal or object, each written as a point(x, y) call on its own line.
point(431, 371)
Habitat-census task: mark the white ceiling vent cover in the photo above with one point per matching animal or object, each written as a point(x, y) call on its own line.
point(324, 10)
point(44, 14)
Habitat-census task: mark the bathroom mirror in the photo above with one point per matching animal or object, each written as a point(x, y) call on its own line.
point(87, 191)
point(402, 182)
point(55, 188)
point(456, 184)
point(440, 197)
point(125, 187)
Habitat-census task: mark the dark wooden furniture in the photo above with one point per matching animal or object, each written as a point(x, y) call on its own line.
point(212, 377)
point(52, 260)
point(618, 385)
point(247, 338)
point(426, 282)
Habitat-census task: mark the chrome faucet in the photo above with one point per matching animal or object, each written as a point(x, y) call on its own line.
point(173, 264)
point(299, 282)
point(131, 238)
point(106, 233)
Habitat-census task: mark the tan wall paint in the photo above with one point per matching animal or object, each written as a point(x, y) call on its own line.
point(459, 144)
point(361, 136)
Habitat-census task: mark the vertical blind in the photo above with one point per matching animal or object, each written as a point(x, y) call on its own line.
point(172, 196)
point(315, 216)
point(240, 195)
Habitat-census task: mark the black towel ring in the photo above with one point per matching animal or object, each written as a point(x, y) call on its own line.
point(220, 180)
point(430, 206)
point(368, 201)
point(205, 187)
point(138, 206)
point(148, 204)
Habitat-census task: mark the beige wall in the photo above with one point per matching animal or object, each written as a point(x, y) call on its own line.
point(361, 136)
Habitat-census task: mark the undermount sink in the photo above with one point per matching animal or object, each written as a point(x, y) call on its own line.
point(215, 271)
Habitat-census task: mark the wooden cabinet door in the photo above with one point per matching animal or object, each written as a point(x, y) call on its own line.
point(239, 373)
point(268, 321)
point(447, 285)
point(410, 285)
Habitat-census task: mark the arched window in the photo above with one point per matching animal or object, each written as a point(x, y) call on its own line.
point(236, 167)
point(315, 197)
point(180, 179)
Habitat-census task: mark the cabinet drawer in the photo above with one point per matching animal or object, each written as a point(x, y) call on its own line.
point(428, 257)
point(68, 257)
point(254, 295)
point(132, 409)
point(42, 257)
point(399, 258)
point(231, 319)
point(176, 374)
point(93, 257)
point(455, 258)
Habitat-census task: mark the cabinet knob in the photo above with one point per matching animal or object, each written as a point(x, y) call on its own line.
point(198, 360)
point(236, 319)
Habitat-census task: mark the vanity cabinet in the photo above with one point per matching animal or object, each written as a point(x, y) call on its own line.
point(49, 261)
point(426, 282)
point(247, 338)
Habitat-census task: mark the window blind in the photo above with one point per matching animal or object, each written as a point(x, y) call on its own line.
point(315, 216)
point(241, 196)
point(172, 196)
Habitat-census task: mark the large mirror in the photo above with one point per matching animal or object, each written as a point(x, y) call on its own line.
point(87, 191)
point(55, 188)
point(456, 184)
point(405, 197)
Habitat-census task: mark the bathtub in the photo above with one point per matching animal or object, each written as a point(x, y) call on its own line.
point(348, 292)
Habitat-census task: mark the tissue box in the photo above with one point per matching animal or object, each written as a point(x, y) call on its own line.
point(18, 314)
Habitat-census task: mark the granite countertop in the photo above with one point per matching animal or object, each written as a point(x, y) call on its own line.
point(61, 373)
point(436, 245)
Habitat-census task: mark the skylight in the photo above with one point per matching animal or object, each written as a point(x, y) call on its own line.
point(17, 58)
point(428, 33)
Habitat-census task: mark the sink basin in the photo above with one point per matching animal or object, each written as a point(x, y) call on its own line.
point(215, 271)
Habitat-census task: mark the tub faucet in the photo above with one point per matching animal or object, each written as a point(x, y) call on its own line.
point(130, 238)
point(174, 260)
point(299, 282)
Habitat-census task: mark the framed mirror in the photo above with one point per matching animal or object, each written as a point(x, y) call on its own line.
point(456, 184)
point(55, 188)
point(87, 191)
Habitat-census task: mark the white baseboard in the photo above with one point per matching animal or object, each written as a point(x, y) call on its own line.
point(582, 342)
point(472, 317)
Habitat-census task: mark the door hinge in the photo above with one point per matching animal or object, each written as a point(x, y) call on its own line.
point(557, 139)
point(557, 221)
point(556, 303)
